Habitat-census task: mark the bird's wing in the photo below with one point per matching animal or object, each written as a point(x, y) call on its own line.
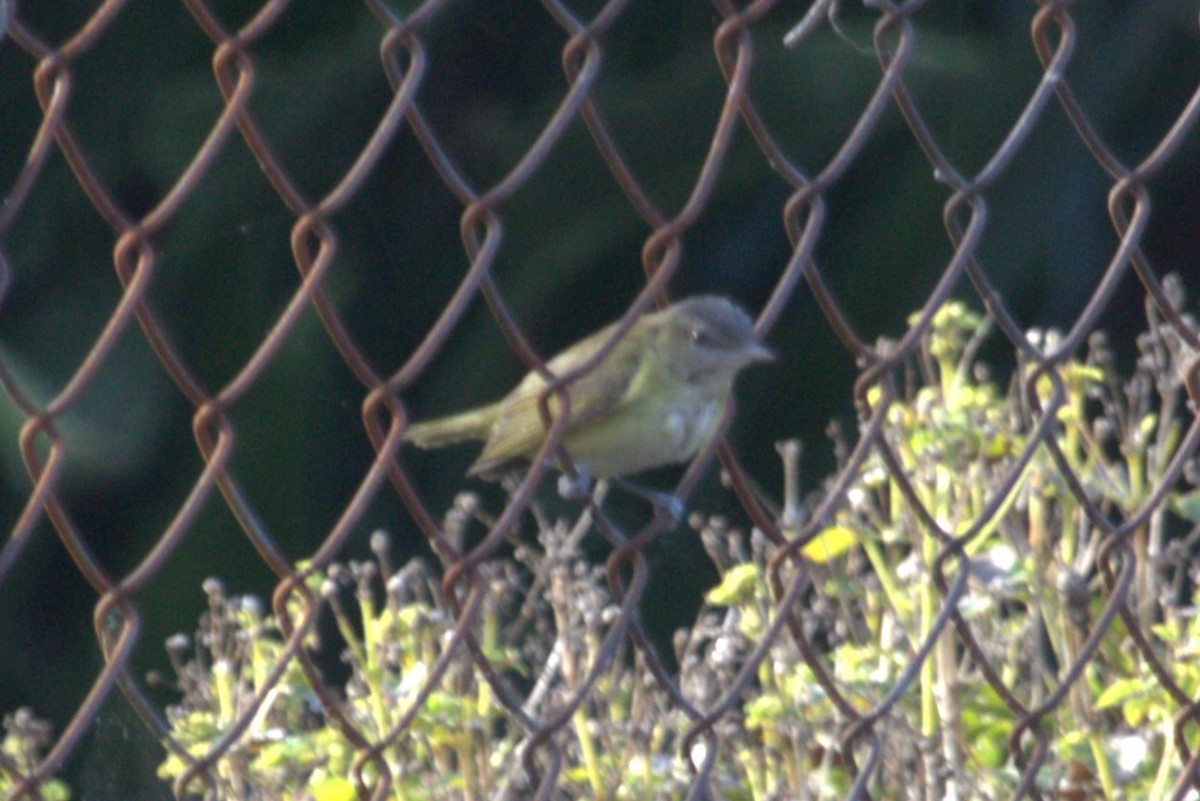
point(519, 430)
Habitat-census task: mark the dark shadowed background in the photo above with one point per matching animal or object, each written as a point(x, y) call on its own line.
point(143, 98)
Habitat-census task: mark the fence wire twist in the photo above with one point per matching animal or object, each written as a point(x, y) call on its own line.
point(860, 741)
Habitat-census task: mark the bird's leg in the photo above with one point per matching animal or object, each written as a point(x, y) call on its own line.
point(666, 504)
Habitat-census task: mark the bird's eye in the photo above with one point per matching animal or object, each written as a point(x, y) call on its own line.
point(701, 338)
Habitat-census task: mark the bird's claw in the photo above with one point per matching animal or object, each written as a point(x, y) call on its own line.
point(670, 505)
point(578, 488)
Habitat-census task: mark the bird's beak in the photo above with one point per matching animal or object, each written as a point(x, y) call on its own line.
point(758, 352)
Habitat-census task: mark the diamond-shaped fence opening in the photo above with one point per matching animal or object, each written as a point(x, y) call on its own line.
point(243, 250)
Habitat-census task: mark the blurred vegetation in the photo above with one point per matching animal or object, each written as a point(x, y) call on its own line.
point(144, 98)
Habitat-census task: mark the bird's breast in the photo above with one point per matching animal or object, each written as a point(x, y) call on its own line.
point(646, 436)
point(687, 430)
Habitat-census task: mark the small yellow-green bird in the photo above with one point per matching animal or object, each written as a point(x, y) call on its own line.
point(656, 398)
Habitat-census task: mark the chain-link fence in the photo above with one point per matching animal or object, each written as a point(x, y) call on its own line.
point(990, 596)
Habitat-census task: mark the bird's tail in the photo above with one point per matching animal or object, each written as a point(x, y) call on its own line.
point(473, 425)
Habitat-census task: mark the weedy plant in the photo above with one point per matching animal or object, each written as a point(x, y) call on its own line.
point(1061, 634)
point(963, 485)
point(21, 749)
point(1035, 589)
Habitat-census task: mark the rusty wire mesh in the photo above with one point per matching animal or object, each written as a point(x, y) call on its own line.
point(861, 735)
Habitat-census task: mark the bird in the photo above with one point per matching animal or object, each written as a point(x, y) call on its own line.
point(655, 399)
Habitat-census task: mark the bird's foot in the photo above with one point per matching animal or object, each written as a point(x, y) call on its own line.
point(578, 488)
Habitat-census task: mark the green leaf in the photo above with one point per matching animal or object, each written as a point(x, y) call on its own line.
point(333, 788)
point(1120, 692)
point(830, 544)
point(737, 585)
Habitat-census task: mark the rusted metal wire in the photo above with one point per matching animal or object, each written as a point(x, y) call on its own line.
point(315, 246)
